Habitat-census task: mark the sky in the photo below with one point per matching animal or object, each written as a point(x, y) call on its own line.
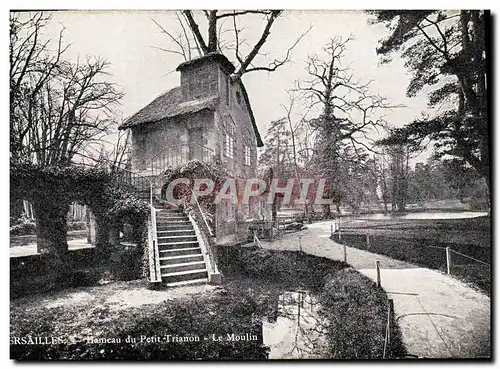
point(127, 39)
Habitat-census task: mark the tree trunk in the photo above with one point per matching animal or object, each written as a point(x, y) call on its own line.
point(212, 31)
point(114, 235)
point(51, 228)
point(102, 231)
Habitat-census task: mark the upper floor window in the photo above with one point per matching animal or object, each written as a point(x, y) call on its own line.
point(228, 145)
point(248, 155)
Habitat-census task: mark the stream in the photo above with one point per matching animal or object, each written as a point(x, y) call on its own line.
point(297, 330)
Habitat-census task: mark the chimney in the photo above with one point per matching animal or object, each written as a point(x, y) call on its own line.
point(201, 77)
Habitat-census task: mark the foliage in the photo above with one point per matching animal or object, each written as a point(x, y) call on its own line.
point(288, 268)
point(445, 179)
point(52, 188)
point(193, 170)
point(277, 152)
point(36, 181)
point(23, 226)
point(126, 262)
point(348, 299)
point(446, 53)
point(124, 207)
point(349, 112)
point(349, 328)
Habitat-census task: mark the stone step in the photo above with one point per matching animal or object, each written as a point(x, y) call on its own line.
point(169, 213)
point(172, 218)
point(170, 238)
point(184, 276)
point(162, 208)
point(167, 253)
point(189, 282)
point(180, 259)
point(183, 267)
point(172, 221)
point(163, 245)
point(178, 232)
point(174, 227)
point(181, 231)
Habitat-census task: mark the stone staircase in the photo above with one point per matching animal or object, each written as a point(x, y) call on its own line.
point(180, 255)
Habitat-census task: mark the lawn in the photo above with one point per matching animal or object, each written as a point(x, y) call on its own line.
point(424, 242)
point(125, 320)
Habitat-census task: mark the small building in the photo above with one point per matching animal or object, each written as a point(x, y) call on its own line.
point(207, 118)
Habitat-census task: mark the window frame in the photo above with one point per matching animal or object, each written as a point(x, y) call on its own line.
point(229, 137)
point(228, 145)
point(247, 155)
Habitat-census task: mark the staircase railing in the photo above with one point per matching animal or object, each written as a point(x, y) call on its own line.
point(133, 182)
point(176, 155)
point(208, 232)
point(140, 184)
point(154, 272)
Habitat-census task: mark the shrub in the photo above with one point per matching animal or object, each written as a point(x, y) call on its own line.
point(126, 262)
point(286, 267)
point(349, 327)
point(260, 262)
point(23, 226)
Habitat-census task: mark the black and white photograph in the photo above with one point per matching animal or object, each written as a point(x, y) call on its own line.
point(259, 184)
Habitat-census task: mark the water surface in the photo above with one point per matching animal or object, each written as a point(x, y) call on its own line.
point(297, 331)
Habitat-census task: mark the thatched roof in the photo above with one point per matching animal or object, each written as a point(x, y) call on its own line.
point(252, 118)
point(172, 104)
point(169, 105)
point(210, 57)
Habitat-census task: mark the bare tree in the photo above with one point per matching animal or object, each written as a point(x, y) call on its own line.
point(298, 133)
point(225, 37)
point(31, 66)
point(347, 114)
point(57, 107)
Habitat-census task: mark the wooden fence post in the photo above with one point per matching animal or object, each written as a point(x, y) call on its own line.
point(339, 228)
point(345, 253)
point(367, 241)
point(448, 260)
point(331, 230)
point(389, 315)
point(377, 266)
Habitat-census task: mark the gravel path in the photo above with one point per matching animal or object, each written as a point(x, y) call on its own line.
point(439, 316)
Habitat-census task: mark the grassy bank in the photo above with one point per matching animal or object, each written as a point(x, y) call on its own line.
point(353, 307)
point(424, 243)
